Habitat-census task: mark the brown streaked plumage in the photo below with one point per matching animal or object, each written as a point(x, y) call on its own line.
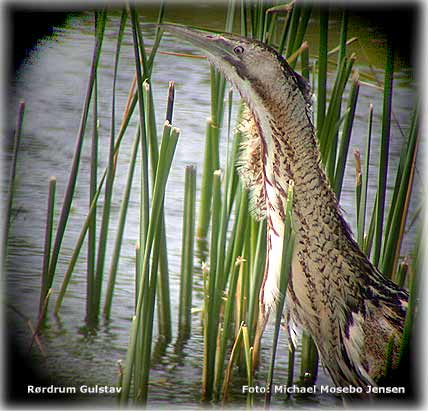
point(334, 291)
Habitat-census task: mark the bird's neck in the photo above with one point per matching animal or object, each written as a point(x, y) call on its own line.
point(290, 152)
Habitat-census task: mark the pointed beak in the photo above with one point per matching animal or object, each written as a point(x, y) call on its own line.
point(215, 46)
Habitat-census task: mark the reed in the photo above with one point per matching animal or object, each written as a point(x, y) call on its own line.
point(141, 333)
point(68, 197)
point(111, 170)
point(47, 249)
point(322, 68)
point(164, 305)
point(187, 252)
point(361, 221)
point(211, 309)
point(214, 124)
point(384, 151)
point(16, 144)
point(346, 136)
point(92, 229)
point(120, 227)
point(397, 215)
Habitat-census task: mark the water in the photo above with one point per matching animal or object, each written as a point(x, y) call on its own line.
point(53, 81)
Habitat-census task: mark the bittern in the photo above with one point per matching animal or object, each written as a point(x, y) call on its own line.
point(334, 292)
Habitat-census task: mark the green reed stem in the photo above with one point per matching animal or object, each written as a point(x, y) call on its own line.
point(322, 69)
point(228, 310)
point(118, 141)
point(68, 197)
point(218, 87)
point(206, 185)
point(248, 351)
point(92, 229)
point(294, 26)
point(137, 272)
point(77, 248)
point(157, 41)
point(105, 221)
point(304, 59)
point(361, 222)
point(328, 135)
point(164, 305)
point(357, 157)
point(290, 364)
point(147, 323)
point(384, 151)
point(187, 253)
point(346, 136)
point(129, 363)
point(121, 227)
point(309, 365)
point(343, 35)
point(414, 285)
point(140, 56)
point(401, 274)
point(395, 231)
point(306, 10)
point(47, 248)
point(256, 278)
point(16, 143)
point(214, 295)
point(147, 287)
point(286, 29)
point(368, 243)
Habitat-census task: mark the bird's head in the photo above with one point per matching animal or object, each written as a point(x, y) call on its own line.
point(254, 68)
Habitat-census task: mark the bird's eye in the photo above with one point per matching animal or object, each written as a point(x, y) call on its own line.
point(238, 50)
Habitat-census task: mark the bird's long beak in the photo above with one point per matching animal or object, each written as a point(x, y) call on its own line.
point(215, 46)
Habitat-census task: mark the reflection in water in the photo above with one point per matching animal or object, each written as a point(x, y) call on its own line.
point(53, 82)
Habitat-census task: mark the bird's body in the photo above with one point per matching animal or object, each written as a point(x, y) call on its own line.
point(334, 292)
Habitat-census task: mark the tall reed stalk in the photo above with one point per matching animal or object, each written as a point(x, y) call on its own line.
point(68, 197)
point(16, 144)
point(186, 272)
point(44, 290)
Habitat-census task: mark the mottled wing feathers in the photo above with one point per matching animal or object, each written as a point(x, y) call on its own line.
point(250, 165)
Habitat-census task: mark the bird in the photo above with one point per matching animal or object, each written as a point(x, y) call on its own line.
point(334, 293)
